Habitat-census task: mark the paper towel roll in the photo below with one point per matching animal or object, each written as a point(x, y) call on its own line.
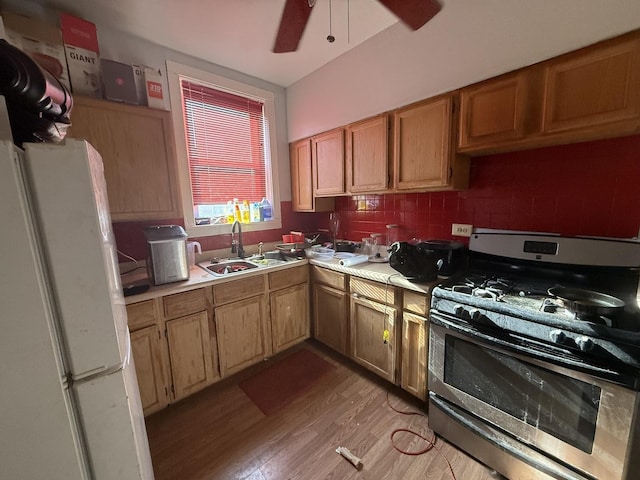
point(355, 260)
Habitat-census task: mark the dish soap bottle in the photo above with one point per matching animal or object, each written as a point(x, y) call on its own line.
point(267, 212)
point(246, 217)
point(237, 213)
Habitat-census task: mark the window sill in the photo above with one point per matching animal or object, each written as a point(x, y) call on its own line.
point(225, 228)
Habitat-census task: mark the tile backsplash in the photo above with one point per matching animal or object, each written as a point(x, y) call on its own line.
point(590, 188)
point(130, 237)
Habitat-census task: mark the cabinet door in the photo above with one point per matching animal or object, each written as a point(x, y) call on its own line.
point(289, 316)
point(592, 88)
point(136, 145)
point(368, 155)
point(242, 334)
point(190, 354)
point(301, 176)
point(372, 336)
point(147, 357)
point(413, 377)
point(422, 145)
point(330, 314)
point(328, 163)
point(494, 112)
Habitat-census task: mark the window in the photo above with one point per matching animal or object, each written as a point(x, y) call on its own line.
point(224, 136)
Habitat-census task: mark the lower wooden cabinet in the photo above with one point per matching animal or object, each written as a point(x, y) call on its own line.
point(185, 341)
point(171, 343)
point(415, 343)
point(372, 334)
point(330, 309)
point(413, 373)
point(330, 317)
point(189, 354)
point(289, 316)
point(382, 327)
point(147, 355)
point(242, 333)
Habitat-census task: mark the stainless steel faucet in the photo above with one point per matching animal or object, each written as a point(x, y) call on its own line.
point(236, 245)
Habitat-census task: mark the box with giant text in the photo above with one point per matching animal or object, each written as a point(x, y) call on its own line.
point(83, 55)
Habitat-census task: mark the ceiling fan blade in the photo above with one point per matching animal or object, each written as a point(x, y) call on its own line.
point(414, 13)
point(292, 24)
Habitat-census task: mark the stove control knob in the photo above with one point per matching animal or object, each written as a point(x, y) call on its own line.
point(557, 336)
point(585, 344)
point(476, 315)
point(460, 311)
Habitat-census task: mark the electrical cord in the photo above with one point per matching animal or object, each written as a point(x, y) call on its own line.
point(431, 443)
point(128, 257)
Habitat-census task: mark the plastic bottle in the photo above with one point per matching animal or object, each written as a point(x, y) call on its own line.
point(255, 211)
point(237, 214)
point(267, 212)
point(246, 216)
point(230, 214)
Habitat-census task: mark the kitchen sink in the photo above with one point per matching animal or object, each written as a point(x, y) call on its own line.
point(236, 266)
point(228, 267)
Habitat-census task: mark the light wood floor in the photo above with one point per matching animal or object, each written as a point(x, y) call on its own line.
point(219, 434)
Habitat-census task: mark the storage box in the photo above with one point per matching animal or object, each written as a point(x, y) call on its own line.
point(118, 82)
point(80, 39)
point(155, 90)
point(141, 86)
point(40, 40)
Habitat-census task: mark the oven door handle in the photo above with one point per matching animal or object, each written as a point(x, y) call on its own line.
point(520, 346)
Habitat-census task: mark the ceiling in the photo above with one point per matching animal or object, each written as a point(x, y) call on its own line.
point(239, 34)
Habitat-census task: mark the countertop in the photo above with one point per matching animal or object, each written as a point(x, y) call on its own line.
point(197, 278)
point(378, 272)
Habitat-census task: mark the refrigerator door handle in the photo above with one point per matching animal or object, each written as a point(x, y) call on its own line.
point(108, 370)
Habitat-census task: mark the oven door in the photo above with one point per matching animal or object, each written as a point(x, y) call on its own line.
point(575, 419)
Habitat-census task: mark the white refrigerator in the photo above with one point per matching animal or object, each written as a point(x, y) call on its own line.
point(69, 401)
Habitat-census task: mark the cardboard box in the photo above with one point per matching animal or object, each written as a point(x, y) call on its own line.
point(40, 40)
point(80, 39)
point(155, 90)
point(118, 82)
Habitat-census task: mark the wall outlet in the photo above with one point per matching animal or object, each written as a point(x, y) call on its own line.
point(461, 229)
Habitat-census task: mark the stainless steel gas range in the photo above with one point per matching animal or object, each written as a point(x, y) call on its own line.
point(534, 356)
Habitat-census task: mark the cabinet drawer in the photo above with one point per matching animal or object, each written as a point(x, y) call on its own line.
point(416, 303)
point(238, 289)
point(288, 277)
point(329, 277)
point(180, 304)
point(379, 292)
point(140, 314)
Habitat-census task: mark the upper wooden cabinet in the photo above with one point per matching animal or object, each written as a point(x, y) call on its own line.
point(424, 155)
point(494, 111)
point(584, 95)
point(136, 145)
point(302, 179)
point(368, 155)
point(328, 163)
point(301, 176)
point(593, 87)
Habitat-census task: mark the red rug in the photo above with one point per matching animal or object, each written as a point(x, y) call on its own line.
point(281, 383)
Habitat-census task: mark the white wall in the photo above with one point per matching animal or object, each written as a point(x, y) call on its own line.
point(467, 41)
point(125, 48)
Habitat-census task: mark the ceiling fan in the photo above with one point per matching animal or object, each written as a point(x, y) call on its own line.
point(414, 13)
